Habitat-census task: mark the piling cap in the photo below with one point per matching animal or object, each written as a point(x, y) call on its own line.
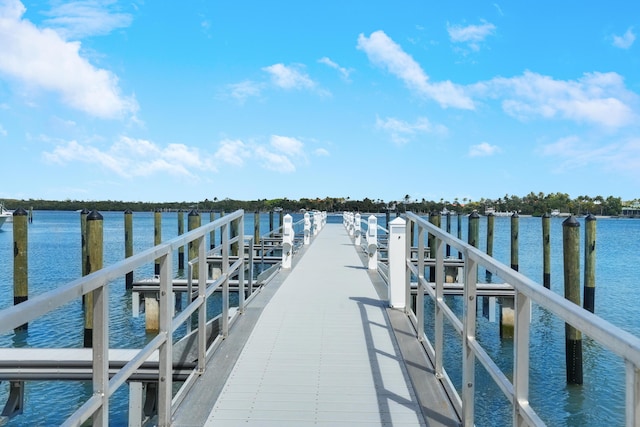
point(590, 217)
point(515, 215)
point(84, 211)
point(128, 212)
point(474, 215)
point(546, 215)
point(571, 222)
point(20, 212)
point(194, 213)
point(94, 215)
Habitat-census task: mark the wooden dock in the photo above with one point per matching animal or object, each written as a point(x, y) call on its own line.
point(320, 346)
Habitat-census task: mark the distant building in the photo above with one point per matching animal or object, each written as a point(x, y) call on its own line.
point(631, 211)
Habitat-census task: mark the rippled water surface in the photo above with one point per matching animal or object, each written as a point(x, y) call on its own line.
point(54, 259)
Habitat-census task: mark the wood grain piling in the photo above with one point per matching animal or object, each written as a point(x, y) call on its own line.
point(590, 263)
point(83, 238)
point(212, 233)
point(95, 249)
point(515, 229)
point(194, 221)
point(20, 260)
point(128, 244)
point(490, 227)
point(435, 219)
point(180, 232)
point(157, 236)
point(546, 250)
point(573, 337)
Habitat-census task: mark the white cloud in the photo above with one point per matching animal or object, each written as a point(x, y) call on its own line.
point(287, 145)
point(471, 34)
point(321, 152)
point(205, 25)
point(289, 77)
point(384, 52)
point(572, 152)
point(274, 161)
point(563, 147)
point(78, 19)
point(343, 71)
point(483, 149)
point(41, 59)
point(233, 152)
point(130, 157)
point(402, 132)
point(3, 131)
point(626, 40)
point(597, 98)
point(279, 155)
point(243, 90)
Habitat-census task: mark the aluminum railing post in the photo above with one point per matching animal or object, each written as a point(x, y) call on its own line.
point(307, 228)
point(287, 241)
point(439, 314)
point(522, 306)
point(226, 249)
point(241, 278)
point(372, 242)
point(468, 336)
point(202, 311)
point(419, 310)
point(165, 380)
point(397, 263)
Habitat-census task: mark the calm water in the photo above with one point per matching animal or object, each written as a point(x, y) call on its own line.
point(54, 259)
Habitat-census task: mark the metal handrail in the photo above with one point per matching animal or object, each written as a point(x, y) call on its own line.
point(609, 336)
point(97, 406)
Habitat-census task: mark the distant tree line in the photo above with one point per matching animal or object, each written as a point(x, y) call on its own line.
point(532, 204)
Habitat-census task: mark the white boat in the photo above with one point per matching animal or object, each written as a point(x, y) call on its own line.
point(4, 215)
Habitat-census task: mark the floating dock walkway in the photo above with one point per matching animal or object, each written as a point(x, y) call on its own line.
point(333, 338)
point(325, 351)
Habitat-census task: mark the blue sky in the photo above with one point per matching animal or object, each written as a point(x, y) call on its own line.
point(183, 101)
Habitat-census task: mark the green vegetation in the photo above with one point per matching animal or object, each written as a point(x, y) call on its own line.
point(531, 204)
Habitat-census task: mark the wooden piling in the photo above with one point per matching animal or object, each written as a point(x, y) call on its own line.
point(573, 337)
point(20, 260)
point(194, 222)
point(180, 232)
point(235, 232)
point(212, 233)
point(589, 263)
point(128, 244)
point(515, 226)
point(546, 250)
point(459, 232)
point(450, 273)
point(507, 304)
point(490, 226)
point(157, 236)
point(83, 237)
point(448, 228)
point(256, 228)
point(473, 235)
point(412, 233)
point(271, 221)
point(94, 263)
point(435, 219)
